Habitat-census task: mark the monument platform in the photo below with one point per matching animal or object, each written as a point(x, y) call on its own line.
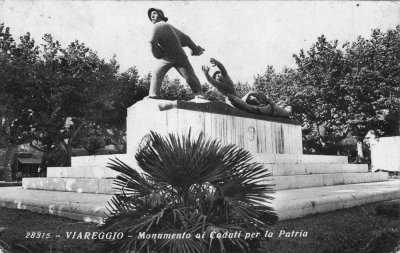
point(89, 174)
point(274, 142)
point(289, 204)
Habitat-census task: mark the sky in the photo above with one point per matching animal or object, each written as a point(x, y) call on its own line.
point(245, 36)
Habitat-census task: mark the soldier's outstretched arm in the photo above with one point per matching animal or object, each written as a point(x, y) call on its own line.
point(221, 67)
point(211, 80)
point(186, 41)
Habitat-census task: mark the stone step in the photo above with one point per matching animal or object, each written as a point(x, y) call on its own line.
point(288, 169)
point(90, 167)
point(95, 171)
point(288, 204)
point(280, 165)
point(101, 159)
point(296, 158)
point(295, 203)
point(79, 206)
point(319, 180)
point(104, 186)
point(79, 185)
point(282, 169)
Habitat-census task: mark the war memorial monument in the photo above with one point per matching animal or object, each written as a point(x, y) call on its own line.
point(304, 184)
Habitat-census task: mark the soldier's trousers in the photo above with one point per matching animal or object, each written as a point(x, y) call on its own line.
point(184, 68)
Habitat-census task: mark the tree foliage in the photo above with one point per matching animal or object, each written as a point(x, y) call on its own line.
point(48, 92)
point(337, 90)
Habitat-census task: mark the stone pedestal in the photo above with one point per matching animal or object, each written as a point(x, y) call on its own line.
point(277, 143)
point(304, 184)
point(217, 120)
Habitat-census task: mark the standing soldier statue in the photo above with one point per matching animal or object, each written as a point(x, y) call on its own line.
point(167, 44)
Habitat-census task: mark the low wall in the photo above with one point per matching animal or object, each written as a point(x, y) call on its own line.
point(385, 154)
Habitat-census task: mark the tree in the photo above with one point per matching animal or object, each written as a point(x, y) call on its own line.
point(45, 87)
point(192, 185)
point(281, 88)
point(348, 89)
point(16, 62)
point(174, 90)
point(336, 91)
point(372, 88)
point(75, 85)
point(320, 95)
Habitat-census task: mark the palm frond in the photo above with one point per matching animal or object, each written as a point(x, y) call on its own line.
point(193, 185)
point(130, 181)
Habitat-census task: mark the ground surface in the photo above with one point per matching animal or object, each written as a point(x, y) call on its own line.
point(357, 229)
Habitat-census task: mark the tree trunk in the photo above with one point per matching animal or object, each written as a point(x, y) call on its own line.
point(360, 152)
point(8, 161)
point(68, 151)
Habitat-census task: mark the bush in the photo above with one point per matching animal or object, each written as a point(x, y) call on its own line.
point(7, 184)
point(190, 186)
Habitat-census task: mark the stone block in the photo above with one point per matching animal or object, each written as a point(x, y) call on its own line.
point(355, 168)
point(318, 168)
point(366, 177)
point(306, 181)
point(349, 203)
point(334, 168)
point(314, 159)
point(271, 168)
point(326, 199)
point(265, 158)
point(252, 132)
point(374, 177)
point(284, 182)
point(29, 183)
point(285, 205)
point(50, 184)
point(100, 172)
point(328, 180)
point(106, 186)
point(323, 159)
point(362, 168)
point(328, 207)
point(337, 179)
point(354, 178)
point(383, 176)
point(305, 204)
point(287, 158)
point(76, 172)
point(362, 201)
point(297, 213)
point(339, 159)
point(288, 169)
point(82, 185)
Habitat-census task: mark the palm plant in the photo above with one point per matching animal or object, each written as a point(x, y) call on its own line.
point(191, 185)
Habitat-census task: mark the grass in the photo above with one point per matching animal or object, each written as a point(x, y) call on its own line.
point(357, 229)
